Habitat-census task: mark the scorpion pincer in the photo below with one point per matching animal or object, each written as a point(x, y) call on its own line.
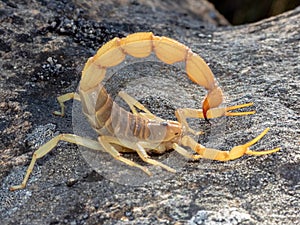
point(139, 130)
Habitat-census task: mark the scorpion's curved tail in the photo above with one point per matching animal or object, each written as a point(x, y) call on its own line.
point(141, 45)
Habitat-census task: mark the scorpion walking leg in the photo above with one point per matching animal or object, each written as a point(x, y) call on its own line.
point(185, 153)
point(107, 141)
point(146, 158)
point(183, 114)
point(234, 153)
point(62, 99)
point(132, 103)
point(138, 148)
point(47, 147)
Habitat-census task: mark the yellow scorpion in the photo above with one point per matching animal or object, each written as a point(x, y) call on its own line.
point(139, 130)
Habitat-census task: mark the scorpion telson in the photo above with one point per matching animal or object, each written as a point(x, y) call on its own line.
point(139, 130)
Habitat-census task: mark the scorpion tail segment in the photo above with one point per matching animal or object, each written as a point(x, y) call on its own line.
point(199, 72)
point(213, 99)
point(92, 74)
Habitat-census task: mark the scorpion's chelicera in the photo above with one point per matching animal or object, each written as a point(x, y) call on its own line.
point(139, 130)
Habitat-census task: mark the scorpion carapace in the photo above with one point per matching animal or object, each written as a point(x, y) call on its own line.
point(139, 130)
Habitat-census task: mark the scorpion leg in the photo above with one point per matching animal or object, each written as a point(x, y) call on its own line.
point(107, 141)
point(47, 147)
point(132, 103)
point(183, 114)
point(235, 153)
point(146, 158)
point(62, 99)
point(185, 153)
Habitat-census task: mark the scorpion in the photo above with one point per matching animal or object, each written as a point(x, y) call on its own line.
point(140, 131)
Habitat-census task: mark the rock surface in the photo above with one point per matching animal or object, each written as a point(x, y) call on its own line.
point(44, 45)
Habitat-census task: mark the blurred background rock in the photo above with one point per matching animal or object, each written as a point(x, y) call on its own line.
point(247, 11)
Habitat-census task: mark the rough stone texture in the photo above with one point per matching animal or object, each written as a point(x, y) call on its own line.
point(44, 45)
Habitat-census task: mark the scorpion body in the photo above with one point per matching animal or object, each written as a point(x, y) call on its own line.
point(112, 120)
point(142, 132)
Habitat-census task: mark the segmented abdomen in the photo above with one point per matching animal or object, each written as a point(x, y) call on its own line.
point(108, 118)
